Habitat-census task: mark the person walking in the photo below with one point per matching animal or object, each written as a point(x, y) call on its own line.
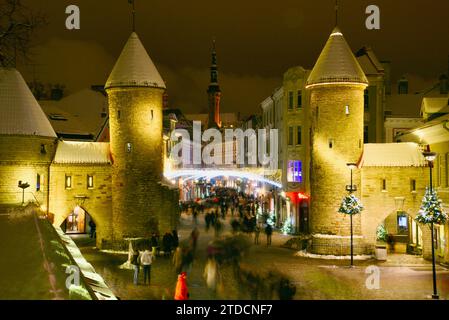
point(268, 232)
point(135, 262)
point(175, 238)
point(93, 229)
point(146, 259)
point(256, 234)
point(178, 260)
point(181, 291)
point(212, 275)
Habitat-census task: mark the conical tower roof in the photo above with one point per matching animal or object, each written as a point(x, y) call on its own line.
point(336, 64)
point(20, 113)
point(134, 68)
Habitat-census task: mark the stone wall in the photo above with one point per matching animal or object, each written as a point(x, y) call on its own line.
point(22, 158)
point(337, 139)
point(96, 201)
point(140, 204)
point(379, 204)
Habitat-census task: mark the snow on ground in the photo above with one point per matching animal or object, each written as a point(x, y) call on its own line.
point(306, 254)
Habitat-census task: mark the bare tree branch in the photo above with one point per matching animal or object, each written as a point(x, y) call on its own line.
point(17, 27)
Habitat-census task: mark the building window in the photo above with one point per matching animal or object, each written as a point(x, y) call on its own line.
point(38, 182)
point(119, 114)
point(299, 99)
point(68, 182)
point(331, 143)
point(290, 100)
point(43, 149)
point(294, 171)
point(129, 147)
point(366, 100)
point(402, 223)
point(347, 110)
point(290, 136)
point(413, 185)
point(384, 185)
point(90, 182)
point(298, 136)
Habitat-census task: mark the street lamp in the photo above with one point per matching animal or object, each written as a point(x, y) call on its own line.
point(351, 188)
point(23, 186)
point(430, 157)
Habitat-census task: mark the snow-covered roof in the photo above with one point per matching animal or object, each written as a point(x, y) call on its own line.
point(20, 113)
point(82, 111)
point(71, 152)
point(336, 64)
point(432, 105)
point(407, 154)
point(134, 68)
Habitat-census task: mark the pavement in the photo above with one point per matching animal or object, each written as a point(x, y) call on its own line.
point(401, 277)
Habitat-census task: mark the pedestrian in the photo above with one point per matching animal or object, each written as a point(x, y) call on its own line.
point(155, 243)
point(268, 232)
point(175, 239)
point(235, 224)
point(167, 244)
point(178, 260)
point(135, 262)
point(146, 260)
point(93, 229)
point(194, 238)
point(256, 234)
point(181, 291)
point(211, 274)
point(195, 216)
point(218, 226)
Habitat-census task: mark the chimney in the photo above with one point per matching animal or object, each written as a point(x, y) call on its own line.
point(387, 76)
point(403, 86)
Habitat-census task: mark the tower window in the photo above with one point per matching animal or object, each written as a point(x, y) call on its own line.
point(90, 182)
point(129, 147)
point(299, 99)
point(152, 114)
point(119, 114)
point(38, 182)
point(68, 182)
point(290, 100)
point(384, 185)
point(331, 143)
point(347, 110)
point(43, 149)
point(412, 185)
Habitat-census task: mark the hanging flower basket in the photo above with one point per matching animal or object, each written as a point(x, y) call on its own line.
point(350, 205)
point(431, 209)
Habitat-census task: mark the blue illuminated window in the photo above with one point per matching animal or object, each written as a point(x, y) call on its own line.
point(294, 171)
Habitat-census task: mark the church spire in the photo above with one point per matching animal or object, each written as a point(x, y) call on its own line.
point(213, 68)
point(214, 92)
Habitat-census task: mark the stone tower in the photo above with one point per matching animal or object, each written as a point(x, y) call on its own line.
point(141, 202)
point(214, 92)
point(336, 85)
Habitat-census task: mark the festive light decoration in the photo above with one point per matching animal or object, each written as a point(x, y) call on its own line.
point(287, 227)
point(350, 205)
point(210, 174)
point(431, 210)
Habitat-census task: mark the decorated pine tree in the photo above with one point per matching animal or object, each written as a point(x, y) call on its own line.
point(431, 210)
point(350, 205)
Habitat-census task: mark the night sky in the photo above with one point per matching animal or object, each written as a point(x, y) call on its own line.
point(257, 41)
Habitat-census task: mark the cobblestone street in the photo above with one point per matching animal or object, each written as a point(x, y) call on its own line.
point(401, 277)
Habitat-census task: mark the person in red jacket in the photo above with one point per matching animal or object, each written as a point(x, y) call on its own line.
point(181, 292)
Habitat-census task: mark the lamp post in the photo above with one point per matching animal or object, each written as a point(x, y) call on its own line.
point(351, 188)
point(23, 186)
point(430, 157)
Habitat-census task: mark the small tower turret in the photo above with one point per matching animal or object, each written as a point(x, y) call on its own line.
point(214, 92)
point(135, 90)
point(336, 85)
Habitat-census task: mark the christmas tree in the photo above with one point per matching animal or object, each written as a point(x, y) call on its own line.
point(350, 205)
point(431, 209)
